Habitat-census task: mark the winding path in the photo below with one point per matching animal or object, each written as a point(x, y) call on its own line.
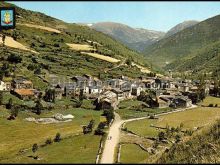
point(114, 133)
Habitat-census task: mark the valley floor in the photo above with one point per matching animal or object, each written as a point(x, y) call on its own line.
point(140, 136)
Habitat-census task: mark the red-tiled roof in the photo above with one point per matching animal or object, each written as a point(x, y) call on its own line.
point(25, 92)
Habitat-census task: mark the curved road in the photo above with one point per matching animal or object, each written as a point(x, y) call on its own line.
point(114, 133)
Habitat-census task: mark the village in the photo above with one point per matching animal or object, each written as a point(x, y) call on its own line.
point(167, 91)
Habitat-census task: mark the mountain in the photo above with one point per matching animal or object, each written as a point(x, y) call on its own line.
point(134, 38)
point(181, 26)
point(187, 45)
point(200, 149)
point(55, 47)
point(206, 60)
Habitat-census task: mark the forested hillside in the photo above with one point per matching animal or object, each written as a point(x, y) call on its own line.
point(185, 44)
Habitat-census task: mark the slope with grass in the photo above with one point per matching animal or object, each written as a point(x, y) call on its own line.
point(185, 43)
point(205, 60)
point(202, 148)
point(59, 45)
point(21, 134)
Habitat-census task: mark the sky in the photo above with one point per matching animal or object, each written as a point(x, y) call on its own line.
point(160, 16)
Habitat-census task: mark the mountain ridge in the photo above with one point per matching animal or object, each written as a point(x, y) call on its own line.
point(132, 37)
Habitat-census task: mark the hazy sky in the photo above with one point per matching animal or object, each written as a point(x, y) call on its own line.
point(150, 15)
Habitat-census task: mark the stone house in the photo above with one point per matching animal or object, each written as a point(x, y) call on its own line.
point(22, 83)
point(58, 92)
point(182, 101)
point(163, 103)
point(119, 93)
point(162, 83)
point(107, 100)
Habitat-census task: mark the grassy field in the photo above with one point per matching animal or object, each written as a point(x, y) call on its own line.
point(41, 27)
point(129, 109)
point(131, 153)
point(78, 149)
point(142, 127)
point(10, 42)
point(20, 134)
point(102, 57)
point(197, 117)
point(79, 47)
point(193, 118)
point(211, 100)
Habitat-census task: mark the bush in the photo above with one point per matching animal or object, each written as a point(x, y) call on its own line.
point(57, 138)
point(178, 138)
point(216, 105)
point(34, 148)
point(151, 117)
point(99, 131)
point(14, 111)
point(56, 45)
point(31, 67)
point(37, 71)
point(189, 132)
point(9, 104)
point(48, 141)
point(14, 58)
point(210, 105)
point(161, 136)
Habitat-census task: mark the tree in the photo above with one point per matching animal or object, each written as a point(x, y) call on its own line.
point(91, 124)
point(37, 71)
point(128, 61)
point(49, 95)
point(109, 114)
point(89, 127)
point(1, 98)
point(9, 104)
point(34, 148)
point(48, 141)
point(161, 136)
point(215, 89)
point(14, 58)
point(38, 107)
point(81, 97)
point(34, 60)
point(1, 75)
point(99, 130)
point(3, 40)
point(178, 138)
point(57, 137)
point(14, 111)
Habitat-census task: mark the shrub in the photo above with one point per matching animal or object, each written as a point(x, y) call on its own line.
point(161, 135)
point(57, 138)
point(14, 58)
point(99, 131)
point(37, 71)
point(9, 104)
point(31, 67)
point(210, 105)
point(48, 141)
point(178, 138)
point(216, 105)
point(34, 148)
point(151, 117)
